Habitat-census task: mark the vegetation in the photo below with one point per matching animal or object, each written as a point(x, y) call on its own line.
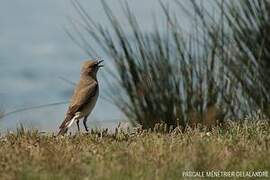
point(163, 76)
point(173, 85)
point(219, 70)
point(139, 155)
point(169, 83)
point(243, 40)
point(249, 25)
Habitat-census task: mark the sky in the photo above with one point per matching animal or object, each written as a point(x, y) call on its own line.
point(35, 53)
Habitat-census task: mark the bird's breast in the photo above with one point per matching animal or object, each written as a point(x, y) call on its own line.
point(90, 104)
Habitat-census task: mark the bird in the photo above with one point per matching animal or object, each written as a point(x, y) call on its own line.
point(84, 97)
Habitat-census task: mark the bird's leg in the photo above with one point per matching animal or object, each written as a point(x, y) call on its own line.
point(78, 125)
point(84, 123)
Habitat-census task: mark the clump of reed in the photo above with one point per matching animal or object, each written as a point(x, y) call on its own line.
point(168, 76)
point(244, 39)
point(249, 28)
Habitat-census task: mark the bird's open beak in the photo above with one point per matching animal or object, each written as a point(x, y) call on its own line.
point(99, 63)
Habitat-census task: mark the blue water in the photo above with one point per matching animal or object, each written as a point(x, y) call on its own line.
point(35, 52)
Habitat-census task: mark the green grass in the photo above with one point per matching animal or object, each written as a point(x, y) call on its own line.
point(139, 155)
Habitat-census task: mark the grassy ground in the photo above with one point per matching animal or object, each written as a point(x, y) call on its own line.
point(140, 155)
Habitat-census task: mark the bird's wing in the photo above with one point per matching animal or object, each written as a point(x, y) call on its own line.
point(82, 95)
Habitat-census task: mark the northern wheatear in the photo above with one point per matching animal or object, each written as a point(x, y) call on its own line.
point(84, 97)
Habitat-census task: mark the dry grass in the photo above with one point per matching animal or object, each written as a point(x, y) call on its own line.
point(140, 155)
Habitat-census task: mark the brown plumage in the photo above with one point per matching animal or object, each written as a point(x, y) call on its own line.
point(84, 97)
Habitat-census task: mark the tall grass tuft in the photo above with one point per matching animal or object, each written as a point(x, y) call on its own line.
point(249, 25)
point(244, 38)
point(164, 76)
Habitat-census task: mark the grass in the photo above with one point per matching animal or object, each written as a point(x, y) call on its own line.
point(241, 36)
point(135, 155)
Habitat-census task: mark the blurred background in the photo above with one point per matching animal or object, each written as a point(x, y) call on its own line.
point(36, 54)
point(175, 62)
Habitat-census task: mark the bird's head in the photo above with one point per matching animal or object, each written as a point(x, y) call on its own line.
point(91, 67)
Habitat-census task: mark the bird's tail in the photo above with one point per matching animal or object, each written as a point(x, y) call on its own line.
point(66, 124)
point(62, 131)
